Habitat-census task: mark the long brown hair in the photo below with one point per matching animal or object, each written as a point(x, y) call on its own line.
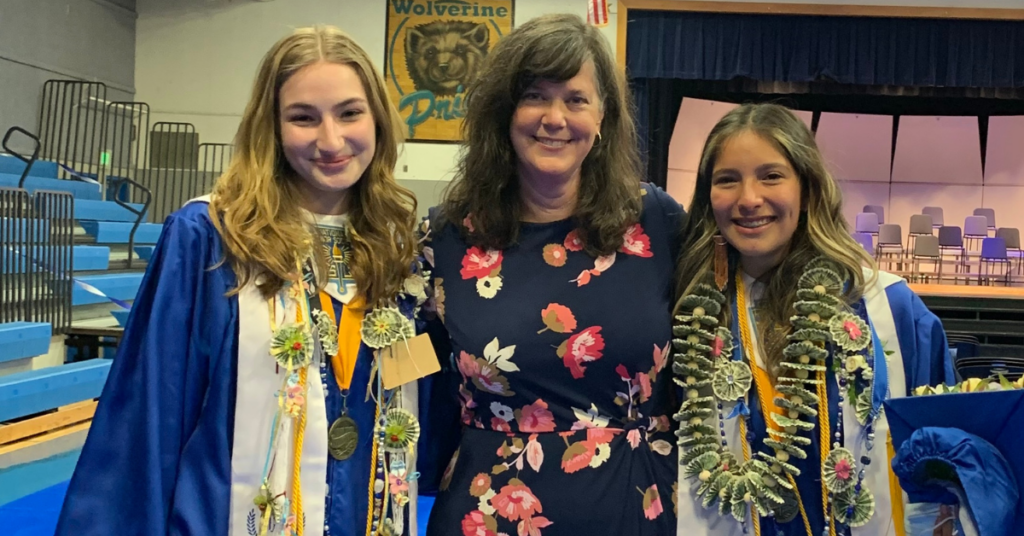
point(255, 203)
point(486, 182)
point(821, 230)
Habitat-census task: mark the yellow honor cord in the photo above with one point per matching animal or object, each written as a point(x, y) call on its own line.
point(763, 385)
point(825, 440)
point(895, 491)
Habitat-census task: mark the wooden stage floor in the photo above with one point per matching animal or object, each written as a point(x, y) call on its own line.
point(967, 291)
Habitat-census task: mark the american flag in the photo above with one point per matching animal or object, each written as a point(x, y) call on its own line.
point(597, 12)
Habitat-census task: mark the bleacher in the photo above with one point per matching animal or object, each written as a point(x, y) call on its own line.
point(80, 213)
point(76, 231)
point(51, 375)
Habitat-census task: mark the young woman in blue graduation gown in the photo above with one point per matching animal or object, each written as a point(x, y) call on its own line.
point(254, 334)
point(787, 339)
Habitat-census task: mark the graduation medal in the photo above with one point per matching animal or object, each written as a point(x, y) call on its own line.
point(342, 438)
point(343, 435)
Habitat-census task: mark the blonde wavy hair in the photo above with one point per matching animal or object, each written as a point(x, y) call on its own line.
point(256, 205)
point(821, 231)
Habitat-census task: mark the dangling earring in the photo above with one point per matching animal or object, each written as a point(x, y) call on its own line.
point(721, 261)
point(598, 140)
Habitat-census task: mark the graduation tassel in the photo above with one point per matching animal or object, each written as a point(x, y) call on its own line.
point(721, 261)
point(298, 527)
point(265, 522)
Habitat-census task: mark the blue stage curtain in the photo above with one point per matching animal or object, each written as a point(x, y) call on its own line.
point(847, 50)
point(657, 104)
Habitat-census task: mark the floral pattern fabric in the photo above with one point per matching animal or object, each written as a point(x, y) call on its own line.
point(564, 384)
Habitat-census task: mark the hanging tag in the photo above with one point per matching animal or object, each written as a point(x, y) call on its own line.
point(721, 262)
point(407, 361)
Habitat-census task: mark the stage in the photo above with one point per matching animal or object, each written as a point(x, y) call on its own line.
point(933, 290)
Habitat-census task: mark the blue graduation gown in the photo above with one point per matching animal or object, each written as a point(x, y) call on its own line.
point(923, 343)
point(158, 456)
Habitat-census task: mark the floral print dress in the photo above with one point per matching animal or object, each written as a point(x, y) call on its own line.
point(564, 381)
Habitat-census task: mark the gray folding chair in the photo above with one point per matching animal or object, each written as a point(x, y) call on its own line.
point(920, 225)
point(936, 214)
point(975, 230)
point(951, 240)
point(1012, 238)
point(890, 241)
point(926, 248)
point(990, 215)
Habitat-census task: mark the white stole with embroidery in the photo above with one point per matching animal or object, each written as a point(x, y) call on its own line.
point(256, 403)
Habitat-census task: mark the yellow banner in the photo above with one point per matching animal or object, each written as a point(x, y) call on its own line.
point(433, 51)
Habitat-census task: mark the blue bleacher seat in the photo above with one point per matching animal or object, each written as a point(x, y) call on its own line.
point(14, 165)
point(108, 232)
point(145, 252)
point(120, 286)
point(87, 209)
point(88, 258)
point(24, 339)
point(84, 258)
point(17, 227)
point(35, 391)
point(81, 190)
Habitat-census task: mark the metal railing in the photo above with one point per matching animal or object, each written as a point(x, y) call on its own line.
point(214, 158)
point(147, 200)
point(36, 235)
point(124, 142)
point(171, 172)
point(28, 160)
point(72, 121)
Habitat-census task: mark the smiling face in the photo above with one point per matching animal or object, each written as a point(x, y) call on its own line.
point(328, 133)
point(554, 126)
point(756, 200)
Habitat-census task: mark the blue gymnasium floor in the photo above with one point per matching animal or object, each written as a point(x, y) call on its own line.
point(36, 514)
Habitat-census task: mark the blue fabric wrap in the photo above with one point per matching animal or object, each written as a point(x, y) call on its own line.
point(982, 471)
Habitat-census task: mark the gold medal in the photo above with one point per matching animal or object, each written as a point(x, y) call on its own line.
point(342, 438)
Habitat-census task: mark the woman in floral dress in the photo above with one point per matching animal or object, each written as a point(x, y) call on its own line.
point(552, 273)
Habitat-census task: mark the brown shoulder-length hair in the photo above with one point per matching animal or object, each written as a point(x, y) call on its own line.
point(255, 203)
point(486, 182)
point(821, 230)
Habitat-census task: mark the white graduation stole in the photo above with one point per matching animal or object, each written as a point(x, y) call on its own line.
point(259, 379)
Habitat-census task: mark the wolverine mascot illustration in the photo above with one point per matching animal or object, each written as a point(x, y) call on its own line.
point(443, 56)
